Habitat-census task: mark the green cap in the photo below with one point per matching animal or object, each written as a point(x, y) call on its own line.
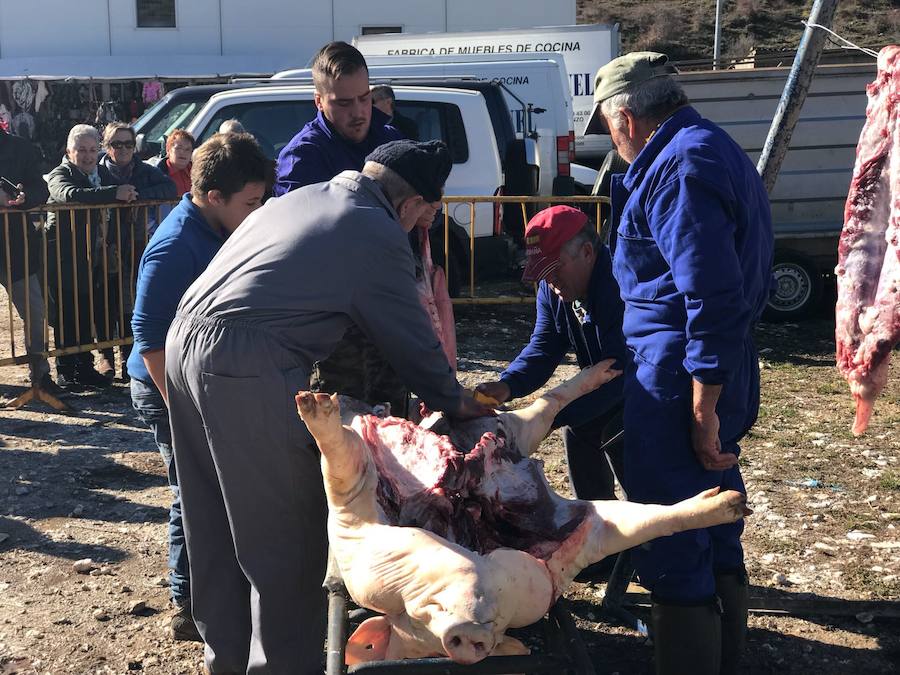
point(621, 73)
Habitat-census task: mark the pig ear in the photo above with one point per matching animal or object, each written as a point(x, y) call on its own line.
point(369, 642)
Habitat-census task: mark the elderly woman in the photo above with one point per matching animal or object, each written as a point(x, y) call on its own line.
point(176, 165)
point(75, 238)
point(126, 234)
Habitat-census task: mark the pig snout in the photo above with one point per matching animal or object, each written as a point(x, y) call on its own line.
point(469, 642)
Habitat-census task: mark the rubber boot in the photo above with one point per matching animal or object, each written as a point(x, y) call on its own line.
point(733, 591)
point(687, 640)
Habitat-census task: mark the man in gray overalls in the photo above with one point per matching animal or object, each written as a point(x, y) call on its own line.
point(277, 297)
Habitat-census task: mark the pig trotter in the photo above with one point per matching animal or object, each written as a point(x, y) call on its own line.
point(712, 507)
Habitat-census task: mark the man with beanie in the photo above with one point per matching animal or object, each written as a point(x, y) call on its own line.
point(693, 256)
point(578, 308)
point(278, 297)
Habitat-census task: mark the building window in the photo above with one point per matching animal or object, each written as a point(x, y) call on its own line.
point(377, 30)
point(156, 13)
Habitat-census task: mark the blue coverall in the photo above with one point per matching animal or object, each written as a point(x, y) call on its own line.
point(318, 153)
point(693, 257)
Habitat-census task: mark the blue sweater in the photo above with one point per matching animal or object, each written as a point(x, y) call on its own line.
point(557, 330)
point(179, 251)
point(318, 153)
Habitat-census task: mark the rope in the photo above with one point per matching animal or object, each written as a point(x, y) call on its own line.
point(847, 44)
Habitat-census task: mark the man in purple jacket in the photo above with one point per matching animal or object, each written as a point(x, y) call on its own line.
point(346, 128)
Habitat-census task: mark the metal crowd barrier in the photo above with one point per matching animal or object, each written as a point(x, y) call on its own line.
point(93, 258)
point(592, 202)
point(73, 258)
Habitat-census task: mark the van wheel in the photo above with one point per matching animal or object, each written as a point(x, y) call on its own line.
point(798, 287)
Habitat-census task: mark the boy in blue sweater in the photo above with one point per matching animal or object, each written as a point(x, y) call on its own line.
point(578, 308)
point(229, 177)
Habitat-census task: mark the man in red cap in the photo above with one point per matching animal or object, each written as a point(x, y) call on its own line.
point(578, 308)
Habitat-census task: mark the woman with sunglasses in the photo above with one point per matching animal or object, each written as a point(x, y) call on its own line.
point(126, 235)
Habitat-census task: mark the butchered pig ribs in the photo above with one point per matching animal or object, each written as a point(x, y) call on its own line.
point(456, 537)
point(867, 315)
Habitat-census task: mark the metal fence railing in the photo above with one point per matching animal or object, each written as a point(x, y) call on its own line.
point(592, 204)
point(72, 268)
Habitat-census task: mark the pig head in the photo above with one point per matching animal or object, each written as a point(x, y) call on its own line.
point(455, 537)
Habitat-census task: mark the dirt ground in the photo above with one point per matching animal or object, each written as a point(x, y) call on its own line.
point(824, 535)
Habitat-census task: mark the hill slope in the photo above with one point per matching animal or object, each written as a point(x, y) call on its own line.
point(685, 29)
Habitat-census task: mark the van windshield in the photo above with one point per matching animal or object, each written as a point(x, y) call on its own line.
point(179, 116)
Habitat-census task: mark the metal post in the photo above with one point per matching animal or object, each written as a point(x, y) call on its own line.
point(795, 90)
point(717, 45)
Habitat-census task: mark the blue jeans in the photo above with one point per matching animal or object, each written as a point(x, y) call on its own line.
point(152, 410)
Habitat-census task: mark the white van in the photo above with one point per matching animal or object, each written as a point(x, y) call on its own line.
point(536, 94)
point(460, 118)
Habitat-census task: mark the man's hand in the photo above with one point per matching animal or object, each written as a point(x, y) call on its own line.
point(705, 428)
point(497, 391)
point(469, 409)
point(126, 193)
point(707, 446)
point(20, 199)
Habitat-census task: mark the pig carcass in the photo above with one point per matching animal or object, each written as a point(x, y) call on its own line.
point(867, 315)
point(456, 537)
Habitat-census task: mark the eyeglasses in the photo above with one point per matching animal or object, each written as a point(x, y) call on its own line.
point(119, 145)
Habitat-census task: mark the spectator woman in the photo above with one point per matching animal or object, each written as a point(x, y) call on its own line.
point(177, 162)
point(176, 165)
point(126, 235)
point(75, 237)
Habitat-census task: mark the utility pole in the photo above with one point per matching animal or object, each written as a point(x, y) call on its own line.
point(795, 89)
point(717, 45)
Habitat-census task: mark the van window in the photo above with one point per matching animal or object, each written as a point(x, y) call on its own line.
point(438, 122)
point(179, 116)
point(273, 123)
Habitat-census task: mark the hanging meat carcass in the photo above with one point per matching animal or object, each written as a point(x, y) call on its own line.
point(456, 536)
point(867, 316)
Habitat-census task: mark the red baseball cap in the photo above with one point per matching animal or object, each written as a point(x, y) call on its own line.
point(545, 235)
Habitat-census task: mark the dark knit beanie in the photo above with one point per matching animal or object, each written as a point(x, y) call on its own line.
point(425, 166)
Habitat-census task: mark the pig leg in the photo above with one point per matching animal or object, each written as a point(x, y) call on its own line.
point(531, 425)
point(627, 524)
point(344, 455)
point(615, 526)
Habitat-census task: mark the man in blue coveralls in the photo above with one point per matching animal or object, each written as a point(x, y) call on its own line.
point(693, 256)
point(578, 308)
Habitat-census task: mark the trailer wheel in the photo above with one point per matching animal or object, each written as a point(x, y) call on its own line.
point(798, 287)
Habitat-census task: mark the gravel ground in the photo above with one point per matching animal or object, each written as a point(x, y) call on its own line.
point(827, 506)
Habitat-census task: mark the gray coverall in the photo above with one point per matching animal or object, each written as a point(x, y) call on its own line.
point(278, 296)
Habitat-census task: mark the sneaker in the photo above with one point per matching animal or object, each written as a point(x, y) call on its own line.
point(66, 380)
point(106, 366)
point(182, 625)
point(89, 377)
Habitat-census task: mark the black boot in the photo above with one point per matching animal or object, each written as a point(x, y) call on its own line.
point(733, 591)
point(687, 640)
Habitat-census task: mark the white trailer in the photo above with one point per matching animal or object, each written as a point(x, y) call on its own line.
point(808, 197)
point(583, 47)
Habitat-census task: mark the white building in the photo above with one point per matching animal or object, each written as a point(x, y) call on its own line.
point(119, 39)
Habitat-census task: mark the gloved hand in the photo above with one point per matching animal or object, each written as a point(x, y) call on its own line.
point(492, 393)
